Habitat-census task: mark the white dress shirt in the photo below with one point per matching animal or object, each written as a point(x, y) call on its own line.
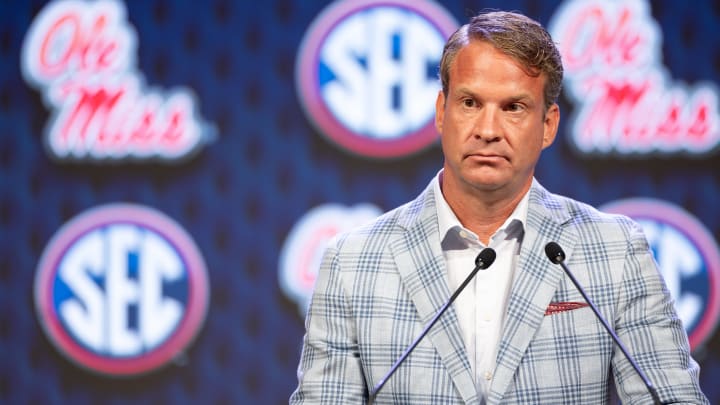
point(482, 306)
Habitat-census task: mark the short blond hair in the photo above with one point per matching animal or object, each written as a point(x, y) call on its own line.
point(515, 35)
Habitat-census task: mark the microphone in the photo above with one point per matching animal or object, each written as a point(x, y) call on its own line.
point(483, 260)
point(556, 255)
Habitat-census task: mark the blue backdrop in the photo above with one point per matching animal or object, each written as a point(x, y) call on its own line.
point(265, 168)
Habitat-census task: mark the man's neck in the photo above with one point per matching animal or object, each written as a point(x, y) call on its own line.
point(483, 212)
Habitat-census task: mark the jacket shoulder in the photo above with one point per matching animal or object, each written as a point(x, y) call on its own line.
point(389, 225)
point(583, 217)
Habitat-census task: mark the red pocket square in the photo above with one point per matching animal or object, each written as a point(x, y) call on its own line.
point(557, 307)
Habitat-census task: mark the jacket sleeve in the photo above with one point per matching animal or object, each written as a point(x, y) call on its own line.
point(648, 325)
point(330, 371)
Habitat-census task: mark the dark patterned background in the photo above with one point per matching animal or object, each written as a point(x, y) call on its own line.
point(240, 196)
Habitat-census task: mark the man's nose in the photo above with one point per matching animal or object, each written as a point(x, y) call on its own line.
point(487, 126)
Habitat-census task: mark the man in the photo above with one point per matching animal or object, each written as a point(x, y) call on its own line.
point(521, 332)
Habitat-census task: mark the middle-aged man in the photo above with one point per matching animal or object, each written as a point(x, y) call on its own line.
point(520, 332)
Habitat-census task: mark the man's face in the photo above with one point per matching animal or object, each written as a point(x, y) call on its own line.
point(493, 123)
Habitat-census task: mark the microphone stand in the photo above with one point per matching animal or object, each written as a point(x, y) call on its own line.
point(557, 255)
point(483, 260)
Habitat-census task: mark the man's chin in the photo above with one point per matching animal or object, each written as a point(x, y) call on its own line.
point(487, 182)
point(487, 186)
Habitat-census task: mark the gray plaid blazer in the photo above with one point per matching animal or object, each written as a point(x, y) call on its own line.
point(380, 284)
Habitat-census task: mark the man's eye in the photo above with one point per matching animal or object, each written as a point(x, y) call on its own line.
point(468, 102)
point(515, 107)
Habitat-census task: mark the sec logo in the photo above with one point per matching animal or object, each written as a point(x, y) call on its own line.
point(366, 74)
point(121, 289)
point(688, 257)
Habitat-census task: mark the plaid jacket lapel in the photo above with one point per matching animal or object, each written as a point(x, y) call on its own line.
point(535, 284)
point(423, 272)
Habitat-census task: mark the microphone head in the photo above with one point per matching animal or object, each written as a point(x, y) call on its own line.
point(554, 252)
point(485, 258)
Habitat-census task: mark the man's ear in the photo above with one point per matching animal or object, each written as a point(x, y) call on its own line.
point(552, 120)
point(439, 111)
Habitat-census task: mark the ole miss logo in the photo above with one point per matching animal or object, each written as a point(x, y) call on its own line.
point(303, 249)
point(625, 99)
point(366, 74)
point(82, 56)
point(121, 289)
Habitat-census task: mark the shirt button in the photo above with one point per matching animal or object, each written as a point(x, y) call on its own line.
point(488, 375)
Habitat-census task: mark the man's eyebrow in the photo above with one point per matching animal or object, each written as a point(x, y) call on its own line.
point(465, 91)
point(521, 96)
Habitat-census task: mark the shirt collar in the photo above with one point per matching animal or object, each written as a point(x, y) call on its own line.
point(513, 226)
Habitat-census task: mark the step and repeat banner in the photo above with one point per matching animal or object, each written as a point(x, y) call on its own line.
point(171, 170)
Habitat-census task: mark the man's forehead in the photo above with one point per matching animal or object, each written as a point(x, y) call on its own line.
point(494, 47)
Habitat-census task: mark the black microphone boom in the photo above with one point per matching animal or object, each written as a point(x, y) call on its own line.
point(556, 255)
point(483, 260)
